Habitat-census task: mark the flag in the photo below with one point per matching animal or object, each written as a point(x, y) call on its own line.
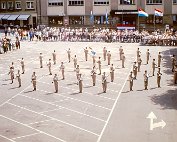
point(106, 16)
point(91, 17)
point(157, 12)
point(142, 13)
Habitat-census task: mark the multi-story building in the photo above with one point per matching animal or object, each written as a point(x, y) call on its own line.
point(120, 13)
point(18, 12)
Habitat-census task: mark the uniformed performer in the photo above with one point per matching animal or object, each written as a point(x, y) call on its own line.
point(104, 82)
point(146, 76)
point(77, 71)
point(93, 74)
point(153, 66)
point(131, 81)
point(147, 56)
point(120, 52)
point(159, 74)
point(23, 65)
point(175, 74)
point(159, 59)
point(109, 57)
point(41, 60)
point(135, 70)
point(94, 60)
point(123, 59)
point(75, 61)
point(80, 83)
point(55, 81)
point(138, 53)
point(112, 72)
point(104, 53)
point(54, 57)
point(12, 65)
point(99, 65)
point(139, 61)
point(11, 72)
point(86, 53)
point(173, 61)
point(18, 78)
point(33, 80)
point(62, 69)
point(69, 55)
point(49, 64)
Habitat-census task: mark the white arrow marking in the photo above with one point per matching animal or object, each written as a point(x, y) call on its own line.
point(153, 125)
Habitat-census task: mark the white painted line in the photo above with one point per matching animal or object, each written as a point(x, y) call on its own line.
point(115, 103)
point(31, 128)
point(39, 122)
point(7, 138)
point(74, 99)
point(69, 124)
point(63, 108)
point(26, 136)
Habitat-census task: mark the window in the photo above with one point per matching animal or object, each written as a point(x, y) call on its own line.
point(55, 3)
point(150, 19)
point(157, 2)
point(17, 5)
point(76, 20)
point(9, 4)
point(76, 2)
point(174, 1)
point(30, 5)
point(101, 2)
point(127, 2)
point(100, 20)
point(3, 5)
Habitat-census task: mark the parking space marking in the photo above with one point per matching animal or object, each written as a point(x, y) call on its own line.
point(7, 138)
point(69, 124)
point(26, 136)
point(63, 108)
point(31, 128)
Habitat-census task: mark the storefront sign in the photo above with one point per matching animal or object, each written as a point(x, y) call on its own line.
point(130, 12)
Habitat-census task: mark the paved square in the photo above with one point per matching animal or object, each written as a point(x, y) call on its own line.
point(91, 116)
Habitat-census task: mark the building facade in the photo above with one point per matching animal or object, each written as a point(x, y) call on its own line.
point(18, 12)
point(112, 13)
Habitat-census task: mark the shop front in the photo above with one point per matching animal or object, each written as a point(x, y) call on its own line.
point(55, 21)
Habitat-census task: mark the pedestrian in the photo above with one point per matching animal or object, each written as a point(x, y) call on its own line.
point(109, 57)
point(135, 70)
point(175, 74)
point(138, 53)
point(75, 61)
point(159, 59)
point(94, 59)
point(41, 60)
point(173, 61)
point(147, 56)
point(33, 78)
point(23, 65)
point(131, 81)
point(86, 53)
point(139, 61)
point(123, 59)
point(11, 72)
point(99, 65)
point(104, 82)
point(80, 83)
point(93, 74)
point(153, 66)
point(112, 72)
point(104, 53)
point(18, 78)
point(120, 52)
point(62, 68)
point(159, 74)
point(55, 81)
point(146, 77)
point(54, 57)
point(69, 55)
point(49, 64)
point(77, 72)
